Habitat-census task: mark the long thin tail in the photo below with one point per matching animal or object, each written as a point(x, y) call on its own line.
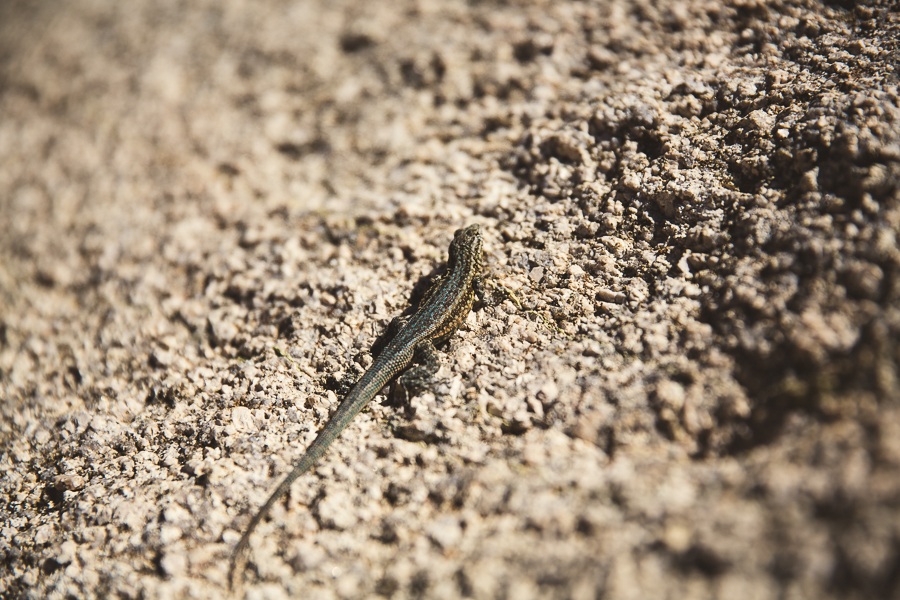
point(348, 409)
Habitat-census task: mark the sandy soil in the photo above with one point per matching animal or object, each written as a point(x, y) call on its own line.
point(209, 212)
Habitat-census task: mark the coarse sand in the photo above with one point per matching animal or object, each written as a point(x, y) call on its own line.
point(688, 388)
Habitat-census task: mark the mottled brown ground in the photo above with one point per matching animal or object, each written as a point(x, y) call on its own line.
point(209, 211)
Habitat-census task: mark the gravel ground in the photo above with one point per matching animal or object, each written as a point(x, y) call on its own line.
point(690, 384)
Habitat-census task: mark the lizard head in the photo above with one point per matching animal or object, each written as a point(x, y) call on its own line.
point(466, 247)
point(466, 238)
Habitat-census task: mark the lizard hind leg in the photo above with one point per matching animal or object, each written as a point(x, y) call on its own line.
point(420, 376)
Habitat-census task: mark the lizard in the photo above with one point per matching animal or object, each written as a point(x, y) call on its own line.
point(443, 308)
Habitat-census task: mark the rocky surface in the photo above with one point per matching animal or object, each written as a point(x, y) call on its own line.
point(689, 387)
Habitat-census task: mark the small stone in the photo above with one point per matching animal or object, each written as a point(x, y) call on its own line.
point(306, 556)
point(445, 532)
point(221, 329)
point(334, 511)
point(69, 481)
point(169, 534)
point(242, 419)
point(575, 271)
point(670, 394)
point(173, 563)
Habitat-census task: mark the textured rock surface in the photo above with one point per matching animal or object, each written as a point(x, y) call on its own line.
point(210, 211)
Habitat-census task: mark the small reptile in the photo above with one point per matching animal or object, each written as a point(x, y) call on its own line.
point(443, 308)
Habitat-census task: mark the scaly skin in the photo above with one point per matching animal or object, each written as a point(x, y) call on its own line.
point(443, 308)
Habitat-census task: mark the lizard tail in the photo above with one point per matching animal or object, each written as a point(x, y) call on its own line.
point(348, 409)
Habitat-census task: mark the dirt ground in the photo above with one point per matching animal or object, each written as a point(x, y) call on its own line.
point(689, 383)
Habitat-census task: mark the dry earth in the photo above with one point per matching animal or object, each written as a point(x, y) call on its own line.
point(209, 212)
